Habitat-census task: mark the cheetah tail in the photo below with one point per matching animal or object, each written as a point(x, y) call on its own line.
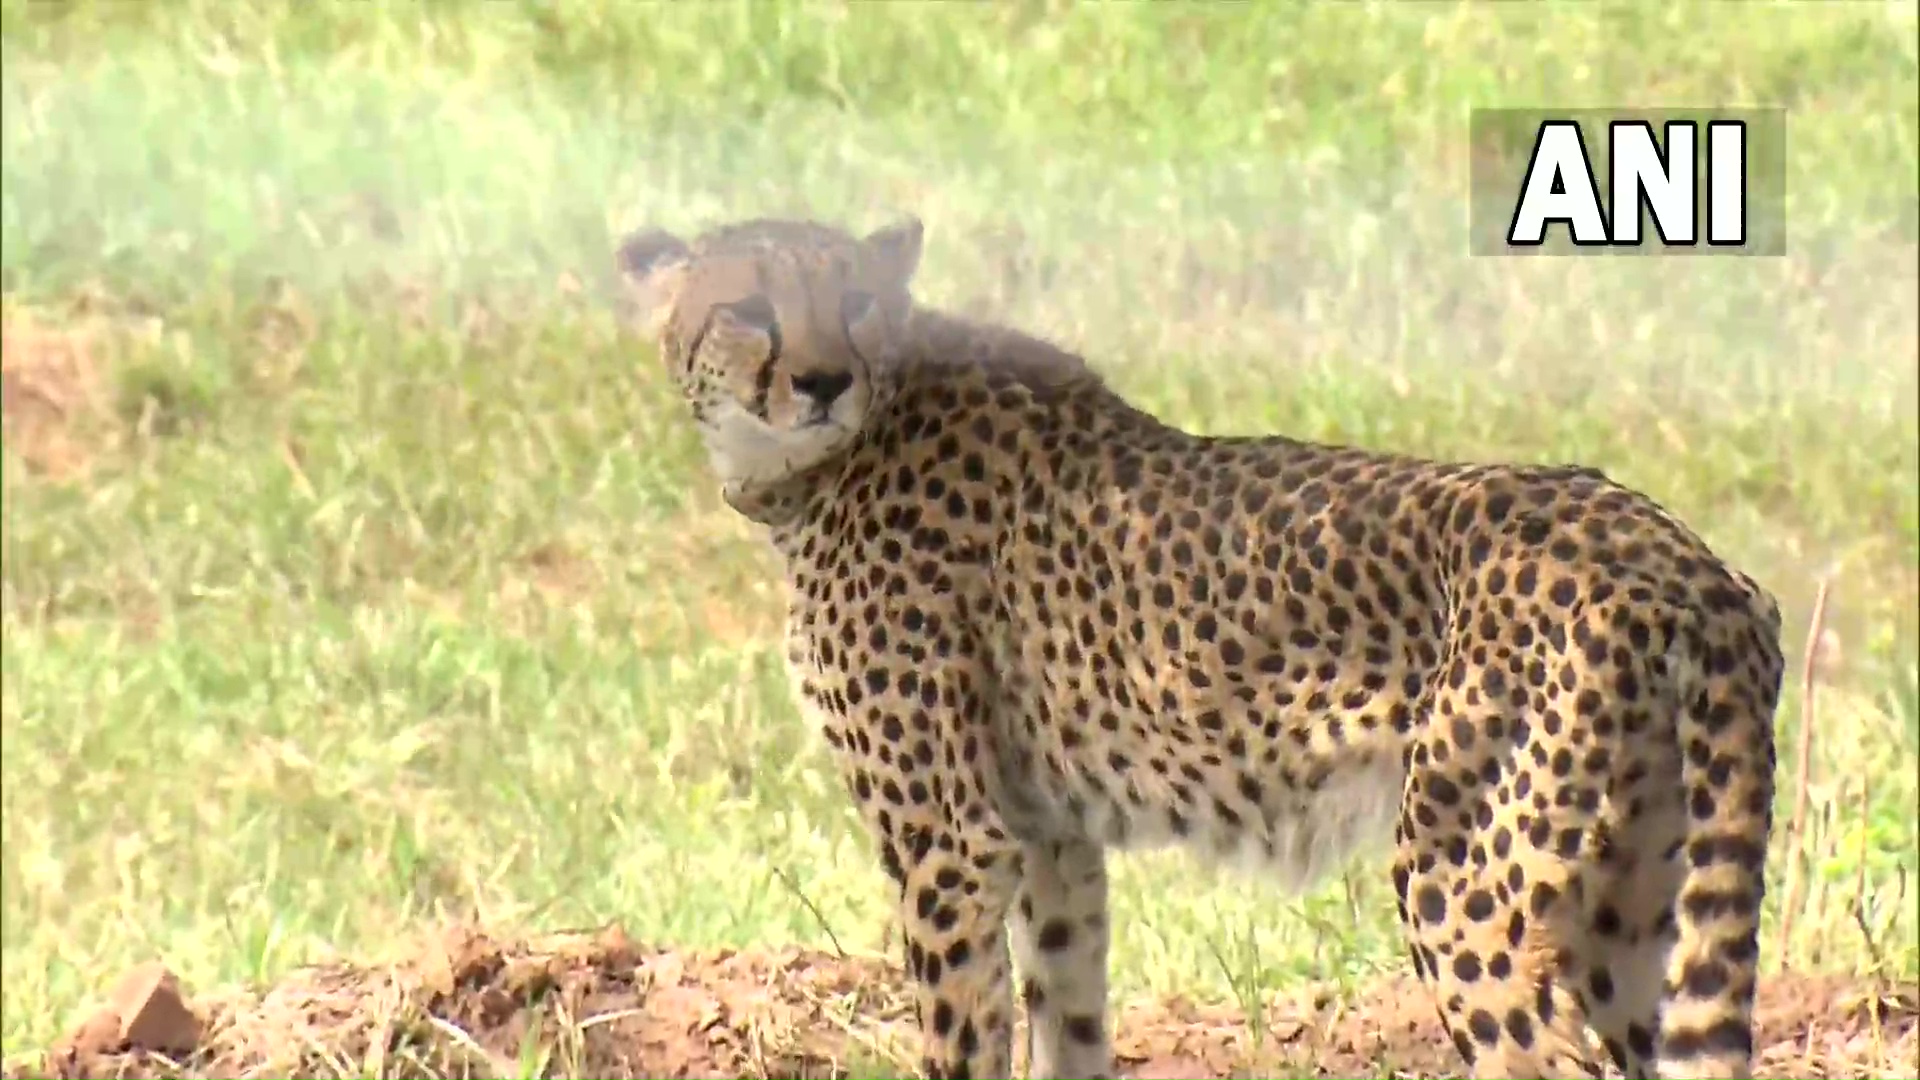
point(1725, 733)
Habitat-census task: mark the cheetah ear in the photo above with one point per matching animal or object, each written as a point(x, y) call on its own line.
point(895, 250)
point(654, 262)
point(646, 251)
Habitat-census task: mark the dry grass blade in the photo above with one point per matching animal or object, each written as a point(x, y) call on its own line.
point(1796, 828)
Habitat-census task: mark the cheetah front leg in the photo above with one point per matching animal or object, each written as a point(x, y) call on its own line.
point(918, 757)
point(1059, 931)
point(953, 915)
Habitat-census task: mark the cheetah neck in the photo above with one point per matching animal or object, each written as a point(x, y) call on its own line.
point(937, 338)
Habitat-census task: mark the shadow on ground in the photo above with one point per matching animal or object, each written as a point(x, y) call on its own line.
point(574, 1005)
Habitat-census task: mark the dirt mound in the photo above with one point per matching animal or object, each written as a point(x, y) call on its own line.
point(598, 1005)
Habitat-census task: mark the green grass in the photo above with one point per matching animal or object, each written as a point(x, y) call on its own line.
point(381, 576)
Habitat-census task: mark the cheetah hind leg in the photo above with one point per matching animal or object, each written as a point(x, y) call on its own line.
point(1633, 936)
point(1493, 907)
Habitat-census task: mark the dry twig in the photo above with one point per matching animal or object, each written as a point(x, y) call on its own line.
point(1796, 828)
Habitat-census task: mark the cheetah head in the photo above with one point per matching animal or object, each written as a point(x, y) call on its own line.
point(780, 335)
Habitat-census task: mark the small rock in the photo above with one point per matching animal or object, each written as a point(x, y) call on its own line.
point(153, 1014)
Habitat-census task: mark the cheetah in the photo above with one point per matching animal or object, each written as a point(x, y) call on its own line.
point(1035, 623)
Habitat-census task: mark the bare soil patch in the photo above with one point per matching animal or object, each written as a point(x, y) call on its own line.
point(600, 1005)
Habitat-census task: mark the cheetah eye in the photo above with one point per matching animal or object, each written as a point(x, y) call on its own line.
point(855, 305)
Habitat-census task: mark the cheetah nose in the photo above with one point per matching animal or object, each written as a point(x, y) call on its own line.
point(824, 387)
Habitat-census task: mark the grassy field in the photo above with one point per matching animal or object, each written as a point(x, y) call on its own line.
point(360, 571)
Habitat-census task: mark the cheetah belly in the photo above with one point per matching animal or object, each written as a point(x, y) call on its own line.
point(1145, 786)
point(1293, 834)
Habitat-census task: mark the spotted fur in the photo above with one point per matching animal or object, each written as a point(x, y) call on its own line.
point(1034, 623)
